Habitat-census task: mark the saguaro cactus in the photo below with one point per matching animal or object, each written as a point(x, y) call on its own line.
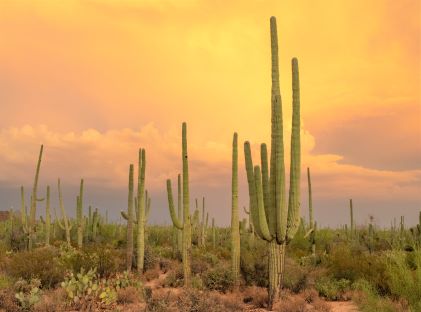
point(351, 212)
point(203, 226)
point(180, 215)
point(235, 229)
point(141, 211)
point(213, 233)
point(34, 199)
point(80, 221)
point(129, 217)
point(186, 224)
point(47, 217)
point(274, 221)
point(310, 200)
point(66, 226)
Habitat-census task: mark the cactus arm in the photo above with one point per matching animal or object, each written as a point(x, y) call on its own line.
point(310, 200)
point(247, 212)
point(148, 209)
point(270, 212)
point(295, 165)
point(277, 166)
point(176, 221)
point(264, 228)
point(124, 215)
point(23, 212)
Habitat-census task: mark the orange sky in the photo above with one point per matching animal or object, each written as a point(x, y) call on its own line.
point(95, 79)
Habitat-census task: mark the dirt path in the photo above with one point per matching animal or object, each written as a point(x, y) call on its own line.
point(343, 306)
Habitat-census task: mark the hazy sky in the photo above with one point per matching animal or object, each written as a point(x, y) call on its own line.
point(94, 80)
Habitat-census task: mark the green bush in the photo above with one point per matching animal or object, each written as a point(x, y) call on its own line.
point(294, 276)
point(331, 288)
point(41, 263)
point(404, 281)
point(219, 279)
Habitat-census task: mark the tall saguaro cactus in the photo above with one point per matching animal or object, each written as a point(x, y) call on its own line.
point(310, 200)
point(274, 221)
point(180, 215)
point(129, 252)
point(141, 211)
point(34, 199)
point(47, 217)
point(351, 213)
point(66, 226)
point(80, 221)
point(186, 224)
point(235, 228)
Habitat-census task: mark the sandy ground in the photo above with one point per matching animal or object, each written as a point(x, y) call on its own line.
point(343, 306)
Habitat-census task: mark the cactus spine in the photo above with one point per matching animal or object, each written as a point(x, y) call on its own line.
point(47, 217)
point(141, 211)
point(34, 199)
point(186, 224)
point(273, 220)
point(235, 230)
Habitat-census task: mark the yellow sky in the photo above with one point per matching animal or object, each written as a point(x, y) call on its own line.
point(95, 79)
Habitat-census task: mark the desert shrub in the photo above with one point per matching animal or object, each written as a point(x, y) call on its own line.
point(106, 259)
point(5, 281)
point(368, 300)
point(8, 301)
point(151, 274)
point(128, 295)
point(199, 266)
point(257, 296)
point(404, 281)
point(352, 263)
point(310, 295)
point(321, 306)
point(28, 293)
point(331, 288)
point(253, 264)
point(151, 259)
point(51, 301)
point(291, 304)
point(219, 278)
point(165, 265)
point(175, 277)
point(294, 276)
point(41, 263)
point(196, 301)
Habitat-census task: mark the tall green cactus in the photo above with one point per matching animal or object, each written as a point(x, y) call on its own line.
point(235, 226)
point(351, 212)
point(47, 217)
point(65, 225)
point(129, 218)
point(141, 211)
point(34, 200)
point(80, 221)
point(180, 215)
point(311, 217)
point(310, 200)
point(274, 221)
point(186, 224)
point(213, 233)
point(203, 226)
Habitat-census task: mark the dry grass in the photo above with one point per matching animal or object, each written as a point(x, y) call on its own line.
point(129, 295)
point(257, 296)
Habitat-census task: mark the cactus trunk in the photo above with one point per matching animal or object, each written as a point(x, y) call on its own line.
point(180, 215)
point(141, 211)
point(65, 225)
point(351, 212)
point(235, 230)
point(129, 252)
point(34, 199)
point(79, 216)
point(47, 217)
